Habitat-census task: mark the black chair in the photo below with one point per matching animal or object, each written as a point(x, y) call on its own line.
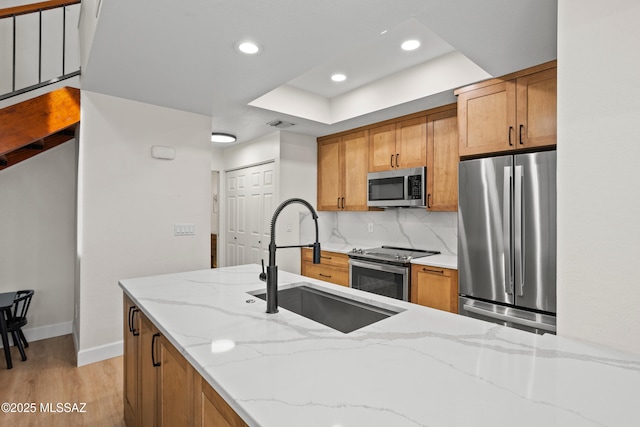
point(18, 318)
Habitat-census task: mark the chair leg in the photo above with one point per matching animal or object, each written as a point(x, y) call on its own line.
point(24, 340)
point(7, 350)
point(18, 343)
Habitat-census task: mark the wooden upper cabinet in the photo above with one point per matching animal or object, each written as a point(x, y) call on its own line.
point(342, 172)
point(382, 148)
point(356, 150)
point(442, 161)
point(411, 143)
point(330, 175)
point(537, 109)
point(514, 112)
point(398, 145)
point(487, 119)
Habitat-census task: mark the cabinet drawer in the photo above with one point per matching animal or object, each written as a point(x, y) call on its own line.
point(339, 276)
point(327, 258)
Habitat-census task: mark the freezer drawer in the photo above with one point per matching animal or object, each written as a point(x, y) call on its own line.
point(507, 316)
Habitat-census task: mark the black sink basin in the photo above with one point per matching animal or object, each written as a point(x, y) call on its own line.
point(338, 312)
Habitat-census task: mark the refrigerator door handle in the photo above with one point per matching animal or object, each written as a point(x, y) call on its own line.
point(518, 212)
point(506, 231)
point(518, 320)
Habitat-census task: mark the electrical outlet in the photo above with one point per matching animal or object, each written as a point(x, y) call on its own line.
point(370, 227)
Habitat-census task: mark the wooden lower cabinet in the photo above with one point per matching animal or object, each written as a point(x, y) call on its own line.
point(161, 388)
point(212, 410)
point(434, 287)
point(333, 267)
point(147, 375)
point(175, 387)
point(130, 364)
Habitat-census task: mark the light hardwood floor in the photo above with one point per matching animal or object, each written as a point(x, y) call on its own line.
point(50, 377)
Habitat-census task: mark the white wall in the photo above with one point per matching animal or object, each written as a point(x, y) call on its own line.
point(294, 157)
point(298, 178)
point(37, 248)
point(128, 205)
point(598, 148)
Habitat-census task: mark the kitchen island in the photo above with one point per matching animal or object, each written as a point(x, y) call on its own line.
point(420, 367)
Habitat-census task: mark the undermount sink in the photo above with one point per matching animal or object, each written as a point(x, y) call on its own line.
point(338, 312)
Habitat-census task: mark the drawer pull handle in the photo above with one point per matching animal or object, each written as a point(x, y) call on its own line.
point(433, 271)
point(325, 257)
point(324, 275)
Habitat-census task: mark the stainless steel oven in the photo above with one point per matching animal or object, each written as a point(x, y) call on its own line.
point(383, 271)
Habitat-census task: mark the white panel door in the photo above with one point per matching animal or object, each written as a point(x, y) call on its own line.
point(250, 195)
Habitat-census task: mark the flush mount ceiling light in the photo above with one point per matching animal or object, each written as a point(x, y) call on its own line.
point(338, 77)
point(223, 138)
point(248, 47)
point(410, 45)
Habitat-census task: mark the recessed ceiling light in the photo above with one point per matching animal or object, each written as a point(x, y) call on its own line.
point(250, 48)
point(338, 77)
point(224, 138)
point(410, 45)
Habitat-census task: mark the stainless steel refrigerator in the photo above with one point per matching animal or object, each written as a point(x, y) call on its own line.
point(507, 240)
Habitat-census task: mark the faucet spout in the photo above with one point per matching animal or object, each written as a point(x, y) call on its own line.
point(272, 269)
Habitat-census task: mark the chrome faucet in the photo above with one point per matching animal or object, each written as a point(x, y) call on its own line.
point(271, 276)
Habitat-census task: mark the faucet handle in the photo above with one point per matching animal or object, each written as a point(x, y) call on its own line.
point(316, 253)
point(263, 275)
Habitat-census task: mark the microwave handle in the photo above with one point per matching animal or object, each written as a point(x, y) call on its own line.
point(406, 187)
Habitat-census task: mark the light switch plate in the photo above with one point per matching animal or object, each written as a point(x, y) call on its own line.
point(184, 229)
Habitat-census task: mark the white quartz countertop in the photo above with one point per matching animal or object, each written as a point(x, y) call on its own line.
point(421, 367)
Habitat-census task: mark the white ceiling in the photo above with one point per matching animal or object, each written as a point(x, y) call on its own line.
point(182, 55)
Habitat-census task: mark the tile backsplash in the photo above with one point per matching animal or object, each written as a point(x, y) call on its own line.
point(413, 228)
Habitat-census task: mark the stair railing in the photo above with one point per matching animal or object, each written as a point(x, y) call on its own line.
point(12, 13)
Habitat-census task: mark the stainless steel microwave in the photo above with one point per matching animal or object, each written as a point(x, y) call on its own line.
point(397, 188)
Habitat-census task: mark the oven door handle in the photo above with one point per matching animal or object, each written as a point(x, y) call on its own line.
point(378, 266)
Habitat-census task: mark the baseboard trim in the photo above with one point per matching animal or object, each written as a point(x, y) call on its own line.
point(100, 353)
point(45, 332)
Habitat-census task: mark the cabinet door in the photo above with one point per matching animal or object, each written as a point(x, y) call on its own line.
point(382, 148)
point(355, 153)
point(442, 166)
point(213, 411)
point(330, 175)
point(130, 367)
point(149, 340)
point(536, 103)
point(487, 119)
point(435, 287)
point(411, 143)
point(175, 388)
